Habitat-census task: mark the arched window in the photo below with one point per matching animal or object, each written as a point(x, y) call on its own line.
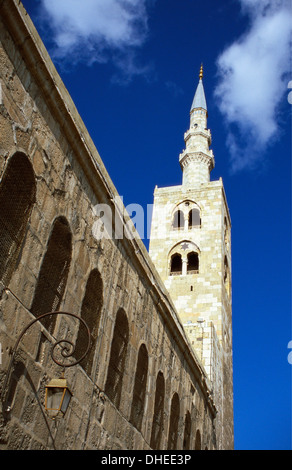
point(139, 392)
point(90, 313)
point(116, 368)
point(176, 264)
point(193, 263)
point(17, 196)
point(173, 423)
point(198, 441)
point(178, 219)
point(226, 233)
point(194, 218)
point(53, 274)
point(183, 258)
point(187, 433)
point(157, 423)
point(226, 276)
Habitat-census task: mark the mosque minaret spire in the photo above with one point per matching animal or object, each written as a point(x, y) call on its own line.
point(190, 246)
point(197, 159)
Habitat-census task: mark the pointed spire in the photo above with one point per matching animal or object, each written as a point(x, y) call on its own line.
point(199, 100)
point(197, 160)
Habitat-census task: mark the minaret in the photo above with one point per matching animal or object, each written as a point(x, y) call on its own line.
point(197, 159)
point(190, 246)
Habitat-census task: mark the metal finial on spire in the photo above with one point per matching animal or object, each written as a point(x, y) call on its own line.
point(199, 100)
point(201, 72)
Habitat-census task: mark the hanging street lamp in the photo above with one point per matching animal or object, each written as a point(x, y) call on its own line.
point(57, 398)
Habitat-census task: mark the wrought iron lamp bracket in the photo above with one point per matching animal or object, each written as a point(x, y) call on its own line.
point(63, 343)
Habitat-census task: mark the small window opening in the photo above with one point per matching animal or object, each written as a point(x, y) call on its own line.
point(194, 218)
point(193, 263)
point(178, 219)
point(176, 264)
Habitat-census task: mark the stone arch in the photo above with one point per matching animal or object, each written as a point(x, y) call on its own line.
point(139, 391)
point(116, 367)
point(175, 264)
point(17, 197)
point(186, 214)
point(158, 413)
point(187, 431)
point(53, 273)
point(173, 423)
point(186, 255)
point(90, 313)
point(198, 442)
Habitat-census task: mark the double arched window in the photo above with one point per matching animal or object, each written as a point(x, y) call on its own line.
point(186, 216)
point(184, 259)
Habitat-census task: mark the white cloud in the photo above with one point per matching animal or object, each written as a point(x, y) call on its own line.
point(253, 80)
point(97, 31)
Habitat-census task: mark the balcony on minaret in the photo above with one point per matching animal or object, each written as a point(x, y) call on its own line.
point(194, 133)
point(196, 166)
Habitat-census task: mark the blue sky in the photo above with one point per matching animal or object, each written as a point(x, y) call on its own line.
point(131, 67)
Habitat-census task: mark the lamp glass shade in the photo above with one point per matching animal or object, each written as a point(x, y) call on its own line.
point(58, 397)
point(66, 400)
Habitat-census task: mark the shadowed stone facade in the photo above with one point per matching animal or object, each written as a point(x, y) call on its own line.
point(142, 385)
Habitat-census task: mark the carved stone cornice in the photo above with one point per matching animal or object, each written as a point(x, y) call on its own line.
point(186, 158)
